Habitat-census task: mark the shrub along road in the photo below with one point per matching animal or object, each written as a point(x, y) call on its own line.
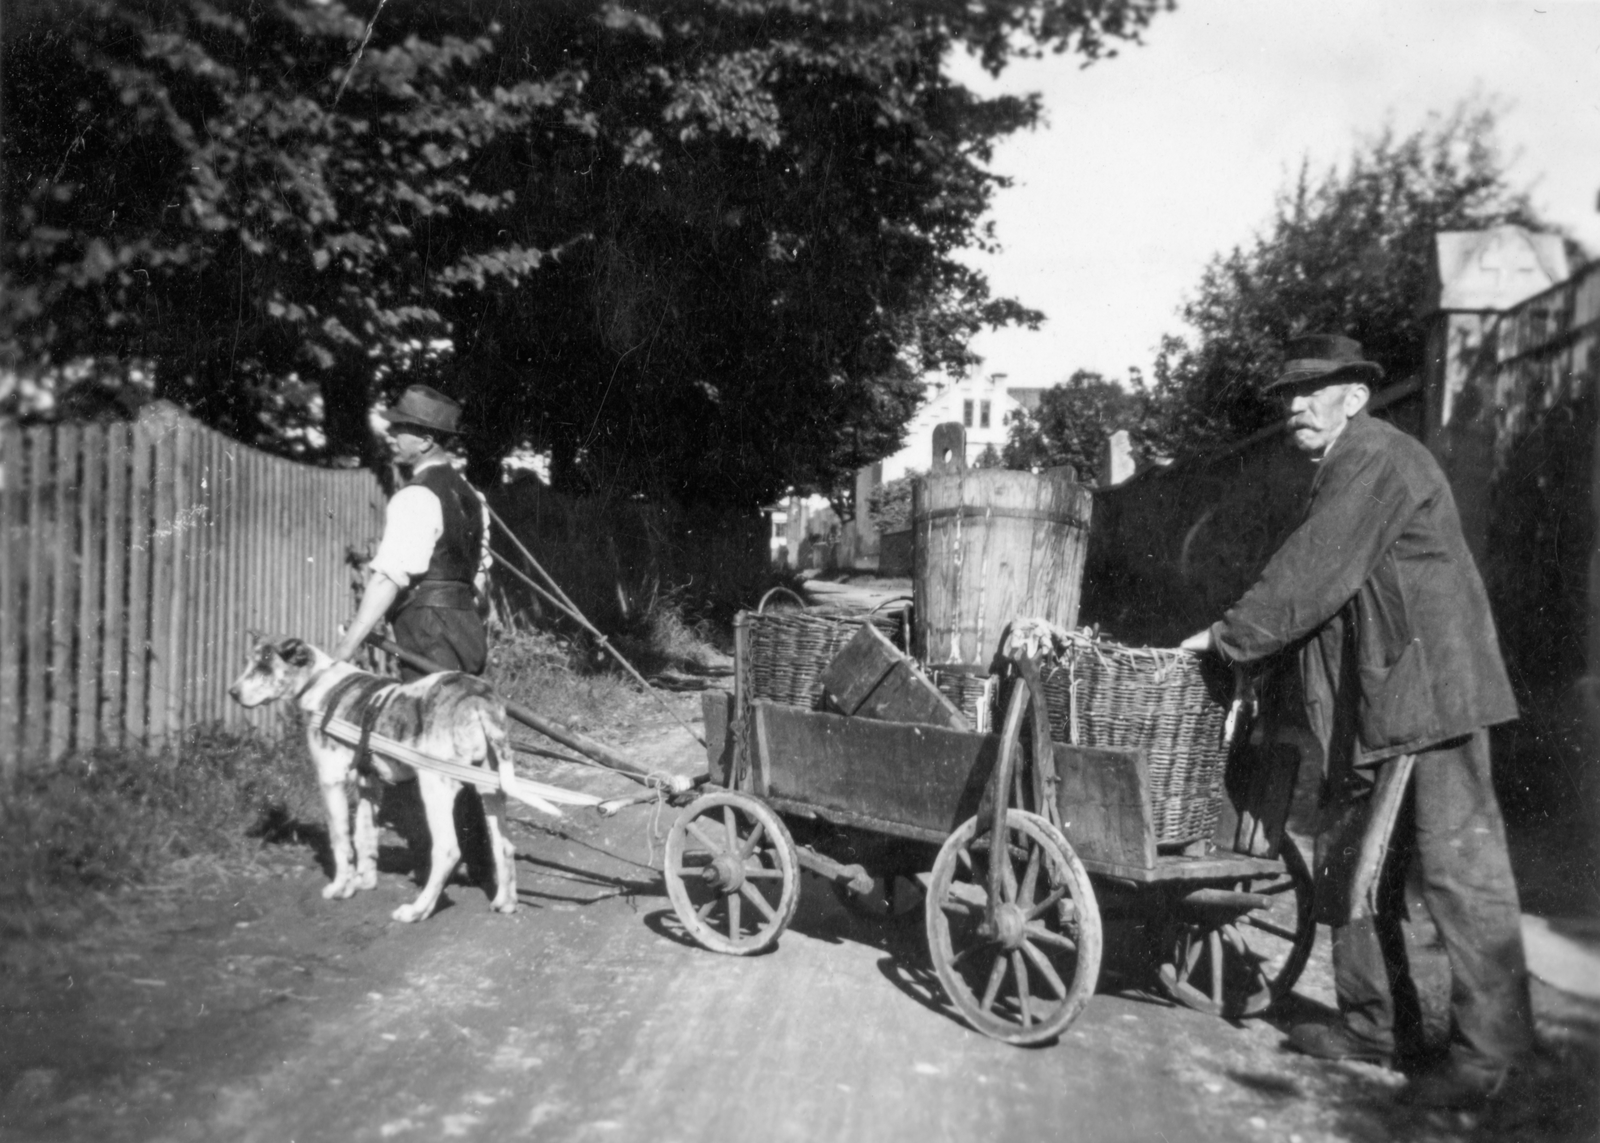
point(261, 1012)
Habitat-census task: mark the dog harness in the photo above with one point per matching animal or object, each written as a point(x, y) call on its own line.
point(368, 695)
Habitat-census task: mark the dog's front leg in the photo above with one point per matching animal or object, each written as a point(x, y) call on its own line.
point(366, 833)
point(439, 800)
point(337, 802)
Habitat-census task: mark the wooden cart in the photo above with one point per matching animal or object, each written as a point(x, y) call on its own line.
point(1016, 942)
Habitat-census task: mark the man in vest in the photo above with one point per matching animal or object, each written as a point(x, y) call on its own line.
point(435, 548)
point(1378, 593)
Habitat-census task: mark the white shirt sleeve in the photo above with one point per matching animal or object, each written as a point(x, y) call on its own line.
point(485, 559)
point(412, 525)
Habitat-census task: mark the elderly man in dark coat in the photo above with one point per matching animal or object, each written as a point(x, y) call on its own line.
point(1378, 593)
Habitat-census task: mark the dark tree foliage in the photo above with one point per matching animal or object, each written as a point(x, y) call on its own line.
point(700, 251)
point(185, 193)
point(1347, 252)
point(1073, 420)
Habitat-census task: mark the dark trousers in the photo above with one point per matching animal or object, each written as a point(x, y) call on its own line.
point(452, 637)
point(1453, 831)
point(455, 639)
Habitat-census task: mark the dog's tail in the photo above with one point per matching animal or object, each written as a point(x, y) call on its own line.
point(496, 742)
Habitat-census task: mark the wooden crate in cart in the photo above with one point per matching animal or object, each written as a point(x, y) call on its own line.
point(1014, 926)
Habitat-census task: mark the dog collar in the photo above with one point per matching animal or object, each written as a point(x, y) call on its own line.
point(311, 682)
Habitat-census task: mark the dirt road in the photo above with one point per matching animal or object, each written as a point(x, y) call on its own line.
point(263, 1013)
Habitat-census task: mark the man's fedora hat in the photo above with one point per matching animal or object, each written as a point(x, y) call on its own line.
point(1324, 358)
point(424, 408)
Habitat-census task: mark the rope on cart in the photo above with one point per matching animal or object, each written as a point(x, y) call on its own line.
point(571, 609)
point(652, 833)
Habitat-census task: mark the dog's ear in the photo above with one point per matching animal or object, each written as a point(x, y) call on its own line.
point(296, 652)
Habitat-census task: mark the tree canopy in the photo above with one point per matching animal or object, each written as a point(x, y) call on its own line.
point(1074, 419)
point(1347, 251)
point(700, 251)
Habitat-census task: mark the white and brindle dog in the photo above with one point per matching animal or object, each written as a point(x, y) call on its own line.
point(451, 716)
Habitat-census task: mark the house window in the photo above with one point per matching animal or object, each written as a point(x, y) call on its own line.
point(983, 414)
point(966, 413)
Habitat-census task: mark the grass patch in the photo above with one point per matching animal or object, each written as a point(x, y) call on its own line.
point(551, 675)
point(668, 637)
point(578, 682)
point(113, 819)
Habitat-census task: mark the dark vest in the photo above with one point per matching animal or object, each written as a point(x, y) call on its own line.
point(456, 554)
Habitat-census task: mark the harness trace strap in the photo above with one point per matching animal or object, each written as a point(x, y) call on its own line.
point(369, 694)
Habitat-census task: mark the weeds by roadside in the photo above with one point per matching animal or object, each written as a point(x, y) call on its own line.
point(113, 819)
point(539, 670)
point(580, 683)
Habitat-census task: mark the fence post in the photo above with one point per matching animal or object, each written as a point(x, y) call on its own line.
point(114, 646)
point(14, 546)
point(36, 613)
point(91, 563)
point(141, 567)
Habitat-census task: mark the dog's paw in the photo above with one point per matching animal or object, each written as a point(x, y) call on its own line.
point(339, 890)
point(507, 906)
point(407, 914)
point(367, 879)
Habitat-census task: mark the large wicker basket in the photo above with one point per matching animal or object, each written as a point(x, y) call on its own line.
point(974, 695)
point(1171, 703)
point(789, 649)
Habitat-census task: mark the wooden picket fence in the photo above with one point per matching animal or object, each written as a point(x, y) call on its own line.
point(136, 557)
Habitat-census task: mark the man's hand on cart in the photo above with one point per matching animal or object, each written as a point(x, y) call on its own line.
point(1242, 711)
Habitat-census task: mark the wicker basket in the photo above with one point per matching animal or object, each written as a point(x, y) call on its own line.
point(974, 695)
point(1171, 703)
point(790, 649)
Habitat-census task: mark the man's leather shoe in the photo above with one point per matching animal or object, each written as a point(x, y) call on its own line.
point(1336, 1042)
point(1454, 1087)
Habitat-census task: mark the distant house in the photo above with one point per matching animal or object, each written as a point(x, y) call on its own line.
point(983, 405)
point(803, 533)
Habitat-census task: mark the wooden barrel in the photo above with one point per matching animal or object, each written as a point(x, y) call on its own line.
point(988, 546)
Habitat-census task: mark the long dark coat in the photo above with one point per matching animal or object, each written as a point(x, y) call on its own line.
point(1379, 569)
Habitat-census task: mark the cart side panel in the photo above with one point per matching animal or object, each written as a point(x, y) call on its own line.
point(717, 709)
point(924, 777)
point(1104, 799)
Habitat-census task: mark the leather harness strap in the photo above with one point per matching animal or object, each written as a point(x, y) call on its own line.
point(371, 694)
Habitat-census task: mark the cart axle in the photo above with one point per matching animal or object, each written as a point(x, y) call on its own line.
point(853, 877)
point(1222, 900)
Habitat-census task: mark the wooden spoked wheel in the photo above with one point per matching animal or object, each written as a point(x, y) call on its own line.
point(1235, 965)
point(1026, 766)
point(732, 873)
point(1021, 967)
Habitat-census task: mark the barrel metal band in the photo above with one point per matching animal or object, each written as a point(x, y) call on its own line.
point(970, 511)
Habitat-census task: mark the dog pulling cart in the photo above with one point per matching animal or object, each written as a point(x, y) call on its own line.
point(1085, 787)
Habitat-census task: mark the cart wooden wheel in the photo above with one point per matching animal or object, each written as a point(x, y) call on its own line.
point(1237, 964)
point(1029, 787)
point(732, 873)
point(1020, 968)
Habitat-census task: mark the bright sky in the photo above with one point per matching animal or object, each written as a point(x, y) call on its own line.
point(1152, 162)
